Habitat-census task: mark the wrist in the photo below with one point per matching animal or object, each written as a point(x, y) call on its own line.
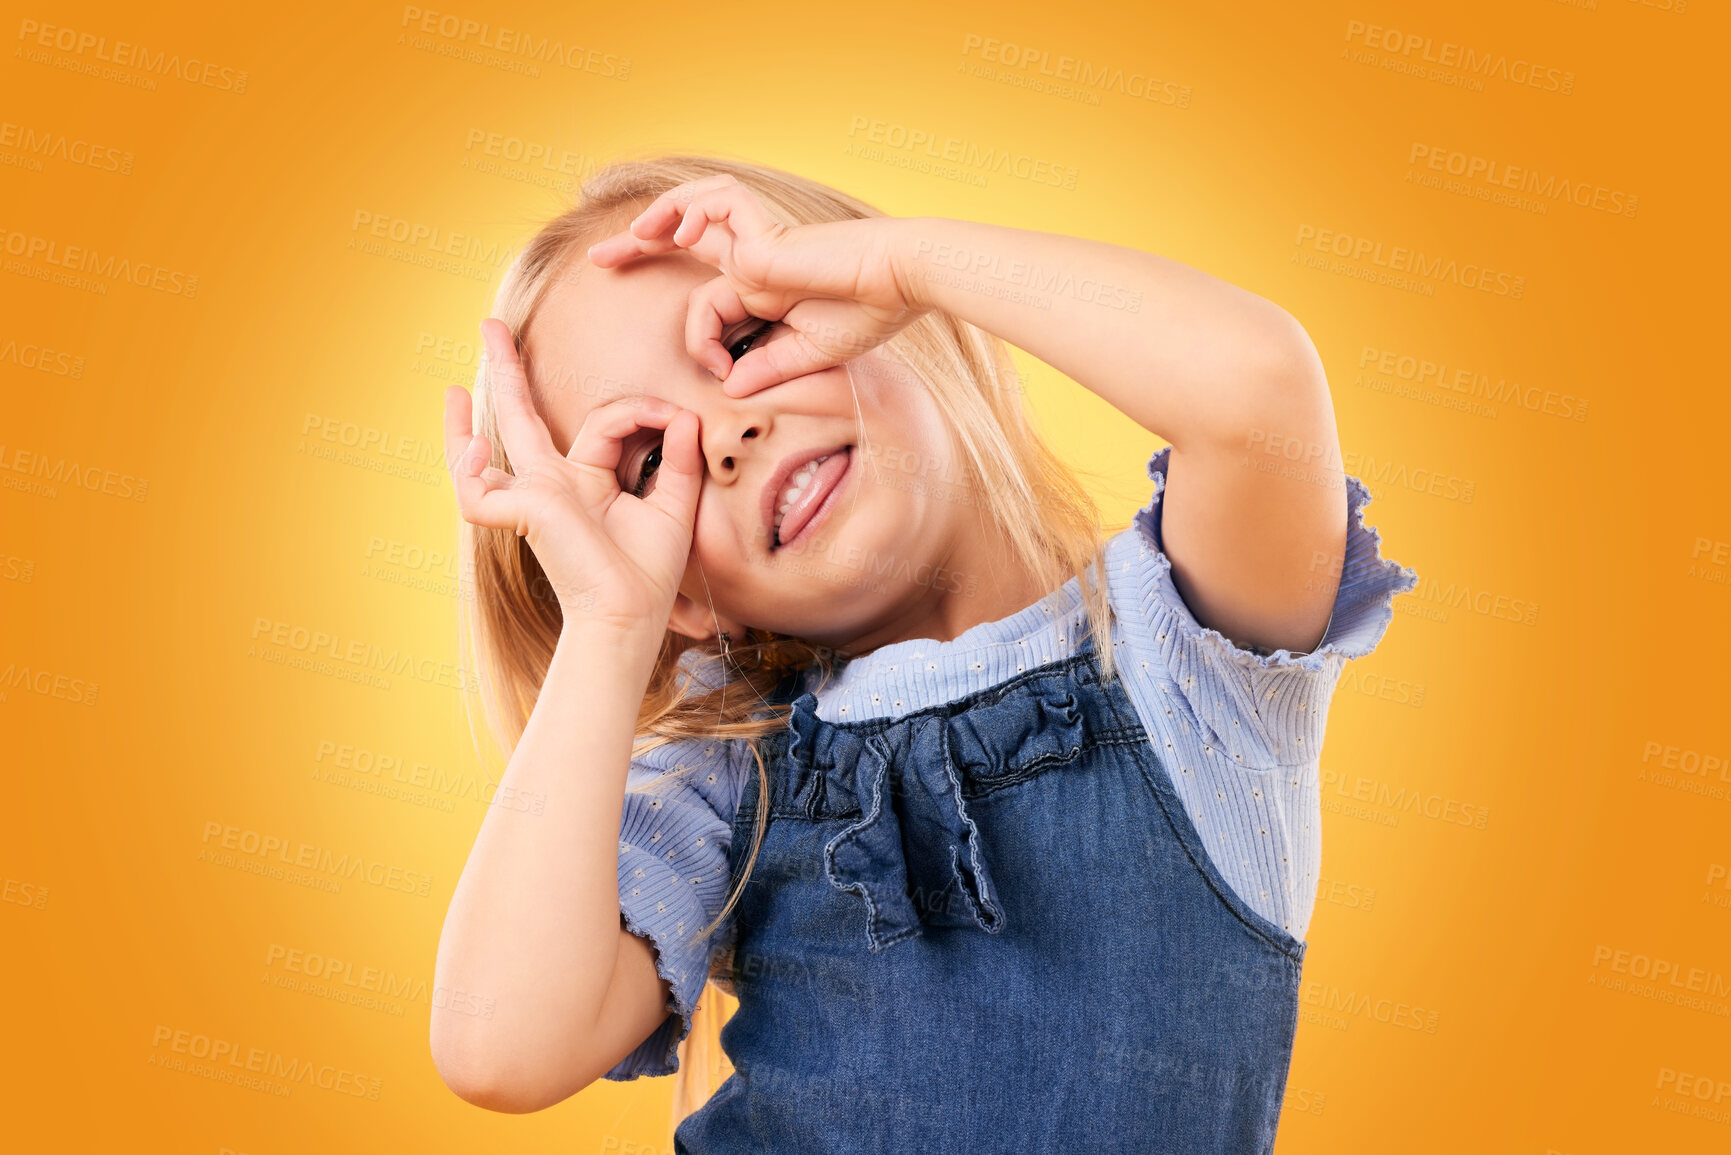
point(906, 241)
point(635, 645)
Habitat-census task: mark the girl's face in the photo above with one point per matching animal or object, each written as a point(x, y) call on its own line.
point(880, 542)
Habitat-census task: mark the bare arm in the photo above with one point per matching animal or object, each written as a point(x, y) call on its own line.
point(534, 931)
point(534, 923)
point(1254, 511)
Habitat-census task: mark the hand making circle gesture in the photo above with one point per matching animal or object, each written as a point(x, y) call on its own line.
point(833, 283)
point(610, 556)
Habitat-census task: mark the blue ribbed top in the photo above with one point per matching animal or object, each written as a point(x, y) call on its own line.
point(1240, 733)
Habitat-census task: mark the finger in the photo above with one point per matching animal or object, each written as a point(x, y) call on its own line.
point(459, 429)
point(671, 205)
point(598, 443)
point(521, 429)
point(733, 207)
point(807, 343)
point(482, 498)
point(781, 358)
point(640, 241)
point(679, 478)
point(648, 233)
point(713, 305)
point(465, 453)
point(730, 229)
point(660, 217)
point(623, 246)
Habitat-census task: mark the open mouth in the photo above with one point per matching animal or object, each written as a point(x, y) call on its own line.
point(807, 495)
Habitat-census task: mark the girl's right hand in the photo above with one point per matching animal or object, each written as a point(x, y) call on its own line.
point(612, 558)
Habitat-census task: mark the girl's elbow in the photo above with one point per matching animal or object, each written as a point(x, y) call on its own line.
point(499, 1087)
point(1290, 357)
point(509, 1085)
point(471, 1075)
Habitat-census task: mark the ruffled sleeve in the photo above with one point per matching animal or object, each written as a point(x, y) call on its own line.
point(1265, 709)
point(676, 828)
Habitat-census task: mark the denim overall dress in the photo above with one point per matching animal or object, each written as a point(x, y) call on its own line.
point(990, 927)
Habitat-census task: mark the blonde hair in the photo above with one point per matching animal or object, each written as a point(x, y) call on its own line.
point(1048, 521)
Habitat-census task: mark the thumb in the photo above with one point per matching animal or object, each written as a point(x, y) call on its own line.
point(679, 478)
point(773, 362)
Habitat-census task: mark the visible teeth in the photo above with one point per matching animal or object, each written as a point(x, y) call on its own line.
point(796, 487)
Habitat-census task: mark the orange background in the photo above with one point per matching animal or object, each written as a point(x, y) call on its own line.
point(206, 500)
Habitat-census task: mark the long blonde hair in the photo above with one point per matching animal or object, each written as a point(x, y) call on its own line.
point(510, 622)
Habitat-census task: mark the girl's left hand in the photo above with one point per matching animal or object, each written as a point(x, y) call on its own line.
point(832, 284)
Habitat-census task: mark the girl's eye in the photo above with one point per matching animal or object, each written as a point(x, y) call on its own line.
point(652, 462)
point(647, 471)
point(736, 351)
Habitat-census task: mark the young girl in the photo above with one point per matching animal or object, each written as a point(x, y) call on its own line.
point(1004, 833)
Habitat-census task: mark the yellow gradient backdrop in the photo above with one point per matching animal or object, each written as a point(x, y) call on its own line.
point(221, 439)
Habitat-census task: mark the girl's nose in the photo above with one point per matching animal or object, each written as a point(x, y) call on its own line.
point(750, 432)
point(728, 439)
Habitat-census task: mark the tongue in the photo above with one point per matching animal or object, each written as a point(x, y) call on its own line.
point(823, 480)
